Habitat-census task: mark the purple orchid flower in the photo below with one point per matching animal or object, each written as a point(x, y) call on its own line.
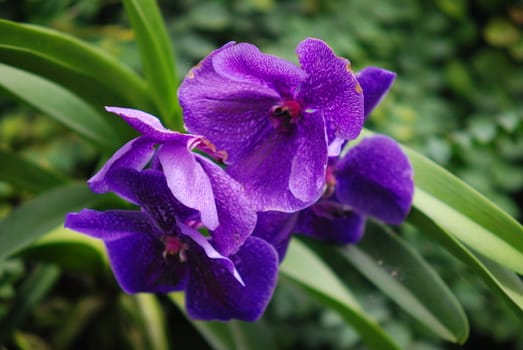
point(193, 179)
point(157, 249)
point(278, 122)
point(374, 179)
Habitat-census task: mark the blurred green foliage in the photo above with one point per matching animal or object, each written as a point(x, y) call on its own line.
point(457, 99)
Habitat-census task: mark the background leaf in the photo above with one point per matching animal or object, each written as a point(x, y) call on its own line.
point(502, 281)
point(31, 292)
point(157, 58)
point(59, 104)
point(80, 67)
point(37, 217)
point(306, 269)
point(26, 175)
point(403, 275)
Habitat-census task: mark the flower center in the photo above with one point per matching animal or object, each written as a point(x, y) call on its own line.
point(285, 115)
point(174, 247)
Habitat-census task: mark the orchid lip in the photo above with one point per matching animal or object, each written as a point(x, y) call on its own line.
point(284, 115)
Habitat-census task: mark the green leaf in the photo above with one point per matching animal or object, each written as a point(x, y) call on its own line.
point(26, 175)
point(153, 321)
point(35, 218)
point(59, 104)
point(403, 275)
point(304, 267)
point(73, 63)
point(502, 281)
point(465, 213)
point(252, 336)
point(34, 288)
point(217, 334)
point(157, 58)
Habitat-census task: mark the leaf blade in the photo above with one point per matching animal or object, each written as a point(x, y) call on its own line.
point(60, 104)
point(157, 58)
point(502, 281)
point(71, 56)
point(26, 175)
point(35, 218)
point(305, 268)
point(403, 275)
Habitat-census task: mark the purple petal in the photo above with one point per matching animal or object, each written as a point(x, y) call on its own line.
point(332, 88)
point(212, 293)
point(201, 243)
point(233, 115)
point(246, 63)
point(375, 83)
point(376, 179)
point(135, 154)
point(149, 125)
point(188, 182)
point(139, 266)
point(307, 176)
point(149, 190)
point(236, 216)
point(287, 170)
point(110, 225)
point(276, 228)
point(330, 222)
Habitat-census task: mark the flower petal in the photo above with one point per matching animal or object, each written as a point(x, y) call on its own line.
point(139, 266)
point(135, 154)
point(236, 216)
point(287, 170)
point(276, 228)
point(148, 188)
point(149, 126)
point(332, 88)
point(321, 222)
point(233, 115)
point(307, 176)
point(201, 244)
point(110, 225)
point(212, 293)
point(375, 83)
point(376, 179)
point(245, 62)
point(188, 182)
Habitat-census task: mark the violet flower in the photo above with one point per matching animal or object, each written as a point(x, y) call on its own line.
point(193, 179)
point(278, 122)
point(157, 249)
point(374, 179)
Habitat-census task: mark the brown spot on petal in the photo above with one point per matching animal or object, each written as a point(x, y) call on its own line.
point(359, 90)
point(348, 67)
point(193, 70)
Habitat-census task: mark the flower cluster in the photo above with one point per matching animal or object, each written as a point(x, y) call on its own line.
point(216, 208)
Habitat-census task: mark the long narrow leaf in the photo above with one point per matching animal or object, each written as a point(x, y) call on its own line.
point(26, 175)
point(304, 267)
point(71, 62)
point(406, 278)
point(157, 58)
point(502, 281)
point(153, 321)
point(35, 218)
point(465, 213)
point(59, 104)
point(31, 292)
